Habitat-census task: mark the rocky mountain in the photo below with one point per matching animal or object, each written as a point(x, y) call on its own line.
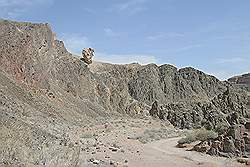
point(241, 80)
point(214, 114)
point(163, 83)
point(46, 94)
point(186, 97)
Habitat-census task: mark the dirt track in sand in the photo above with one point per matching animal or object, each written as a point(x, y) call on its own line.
point(160, 153)
point(165, 153)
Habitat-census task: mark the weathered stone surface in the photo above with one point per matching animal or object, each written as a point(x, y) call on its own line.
point(247, 125)
point(232, 143)
point(241, 80)
point(46, 93)
point(158, 111)
point(225, 109)
point(215, 148)
point(202, 147)
point(87, 55)
point(228, 145)
point(244, 160)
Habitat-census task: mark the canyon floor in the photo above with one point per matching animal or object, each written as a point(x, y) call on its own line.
point(141, 143)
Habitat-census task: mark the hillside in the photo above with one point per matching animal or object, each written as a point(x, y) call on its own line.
point(241, 80)
point(48, 95)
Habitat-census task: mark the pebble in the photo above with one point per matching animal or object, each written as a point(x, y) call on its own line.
point(96, 162)
point(113, 149)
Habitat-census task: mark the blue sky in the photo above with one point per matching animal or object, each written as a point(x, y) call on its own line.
point(211, 35)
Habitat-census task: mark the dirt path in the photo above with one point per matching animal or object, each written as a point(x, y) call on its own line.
point(164, 153)
point(117, 146)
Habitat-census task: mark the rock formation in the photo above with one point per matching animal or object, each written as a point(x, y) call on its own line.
point(46, 94)
point(233, 142)
point(87, 55)
point(225, 109)
point(241, 80)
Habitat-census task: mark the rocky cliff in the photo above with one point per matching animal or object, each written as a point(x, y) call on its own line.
point(165, 83)
point(46, 93)
point(242, 81)
point(32, 56)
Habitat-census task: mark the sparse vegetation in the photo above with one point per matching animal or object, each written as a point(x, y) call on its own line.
point(88, 135)
point(150, 135)
point(221, 128)
point(198, 135)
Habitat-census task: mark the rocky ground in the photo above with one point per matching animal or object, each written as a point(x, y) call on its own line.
point(136, 142)
point(119, 143)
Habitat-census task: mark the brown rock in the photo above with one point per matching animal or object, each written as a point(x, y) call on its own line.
point(215, 148)
point(202, 147)
point(87, 54)
point(244, 161)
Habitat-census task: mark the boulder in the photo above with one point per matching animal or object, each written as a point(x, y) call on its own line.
point(155, 109)
point(244, 161)
point(202, 147)
point(247, 125)
point(236, 131)
point(247, 141)
point(240, 147)
point(233, 118)
point(215, 148)
point(87, 54)
point(158, 111)
point(228, 145)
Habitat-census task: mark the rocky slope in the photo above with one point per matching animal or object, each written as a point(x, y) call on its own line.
point(241, 80)
point(46, 94)
point(214, 114)
point(187, 97)
point(163, 83)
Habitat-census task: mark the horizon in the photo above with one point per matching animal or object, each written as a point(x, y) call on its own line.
point(213, 37)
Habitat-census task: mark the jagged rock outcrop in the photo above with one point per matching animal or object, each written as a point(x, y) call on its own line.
point(87, 55)
point(233, 142)
point(165, 84)
point(202, 147)
point(46, 94)
point(225, 109)
point(242, 81)
point(168, 84)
